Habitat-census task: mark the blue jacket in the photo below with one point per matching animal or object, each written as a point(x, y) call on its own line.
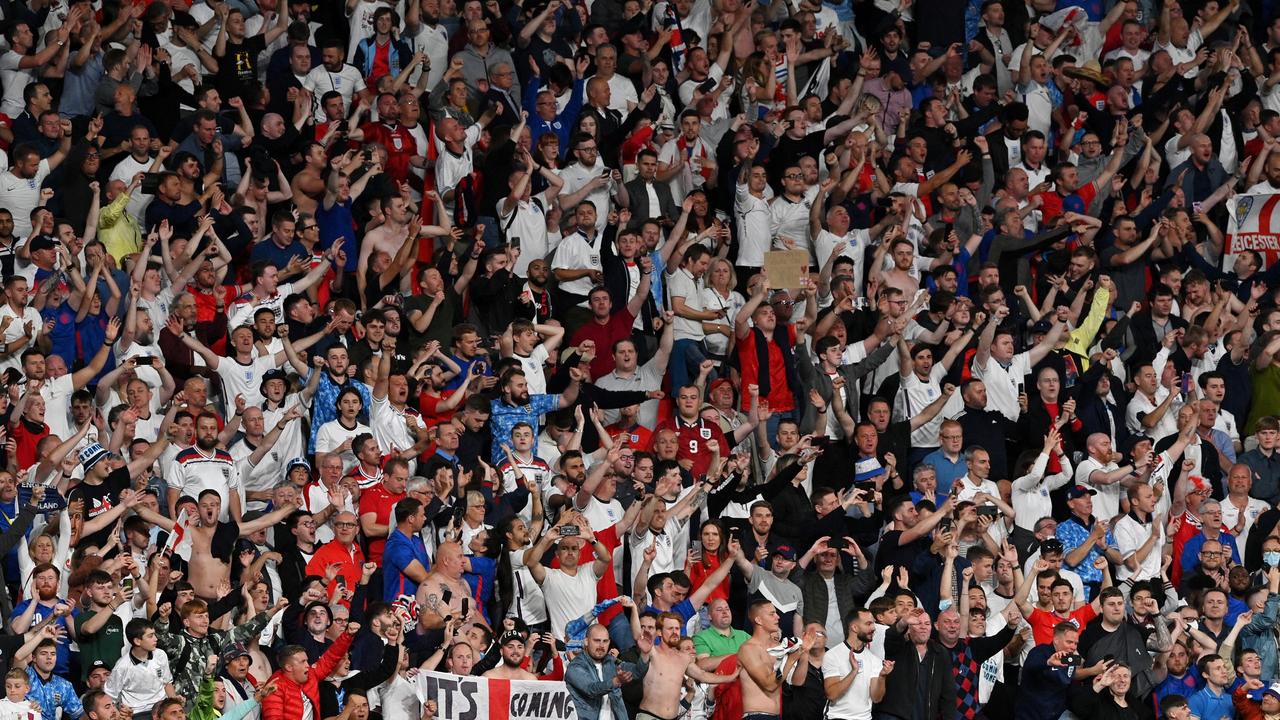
point(563, 124)
point(1260, 636)
point(588, 690)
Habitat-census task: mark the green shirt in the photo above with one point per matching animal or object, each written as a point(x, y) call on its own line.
point(711, 642)
point(106, 645)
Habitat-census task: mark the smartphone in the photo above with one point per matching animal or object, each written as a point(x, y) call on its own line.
point(821, 441)
point(514, 243)
point(836, 543)
point(458, 512)
point(988, 510)
point(1022, 389)
point(569, 531)
point(127, 582)
point(1186, 383)
point(147, 361)
point(944, 525)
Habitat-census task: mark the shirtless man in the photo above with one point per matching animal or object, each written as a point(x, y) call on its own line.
point(308, 184)
point(761, 687)
point(444, 592)
point(668, 666)
point(209, 568)
point(512, 648)
point(389, 236)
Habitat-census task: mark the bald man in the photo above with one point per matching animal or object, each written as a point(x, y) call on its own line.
point(444, 593)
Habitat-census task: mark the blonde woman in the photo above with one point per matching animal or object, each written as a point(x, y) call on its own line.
point(719, 294)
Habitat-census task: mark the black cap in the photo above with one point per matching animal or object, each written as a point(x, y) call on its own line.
point(41, 242)
point(276, 374)
point(1042, 327)
point(183, 19)
point(1051, 545)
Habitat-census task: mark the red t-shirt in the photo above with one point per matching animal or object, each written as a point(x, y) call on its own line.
point(698, 574)
point(1051, 205)
point(780, 397)
point(604, 336)
point(638, 436)
point(27, 438)
point(1042, 623)
point(381, 63)
point(694, 438)
point(378, 501)
point(207, 308)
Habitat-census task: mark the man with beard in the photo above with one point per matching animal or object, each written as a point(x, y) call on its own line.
point(206, 466)
point(213, 540)
point(185, 318)
point(512, 648)
point(241, 372)
point(595, 676)
point(852, 674)
point(516, 406)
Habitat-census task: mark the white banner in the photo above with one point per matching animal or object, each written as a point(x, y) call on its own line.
point(460, 697)
point(1253, 224)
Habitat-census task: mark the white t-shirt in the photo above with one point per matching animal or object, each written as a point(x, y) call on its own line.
point(914, 396)
point(576, 252)
point(1130, 535)
point(855, 703)
point(533, 365)
point(243, 308)
point(15, 80)
point(755, 235)
point(451, 168)
point(124, 172)
point(530, 226)
point(1184, 54)
point(20, 195)
point(17, 328)
point(194, 472)
point(346, 82)
point(1002, 383)
point(332, 434)
point(568, 596)
point(1106, 504)
point(682, 284)
point(238, 379)
point(602, 515)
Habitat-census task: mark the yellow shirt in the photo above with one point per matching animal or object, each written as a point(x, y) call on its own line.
point(119, 230)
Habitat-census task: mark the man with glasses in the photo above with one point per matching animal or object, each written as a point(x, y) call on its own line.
point(342, 553)
point(948, 461)
point(504, 91)
point(480, 56)
point(591, 180)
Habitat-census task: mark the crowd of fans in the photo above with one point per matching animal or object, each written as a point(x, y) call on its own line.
point(345, 341)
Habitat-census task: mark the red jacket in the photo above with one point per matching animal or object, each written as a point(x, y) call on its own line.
point(286, 702)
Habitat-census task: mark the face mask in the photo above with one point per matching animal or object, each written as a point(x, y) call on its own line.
point(1271, 559)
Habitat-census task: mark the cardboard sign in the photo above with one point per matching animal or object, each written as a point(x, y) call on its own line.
point(786, 267)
